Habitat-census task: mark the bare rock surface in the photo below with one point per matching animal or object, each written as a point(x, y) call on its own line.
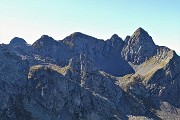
point(85, 78)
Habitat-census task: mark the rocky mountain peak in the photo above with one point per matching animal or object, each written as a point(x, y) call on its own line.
point(141, 36)
point(79, 38)
point(139, 47)
point(115, 42)
point(140, 30)
point(76, 35)
point(116, 38)
point(45, 37)
point(45, 40)
point(16, 41)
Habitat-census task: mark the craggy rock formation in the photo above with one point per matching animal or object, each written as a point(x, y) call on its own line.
point(85, 78)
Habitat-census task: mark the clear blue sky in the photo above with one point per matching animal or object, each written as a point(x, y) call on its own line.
point(30, 19)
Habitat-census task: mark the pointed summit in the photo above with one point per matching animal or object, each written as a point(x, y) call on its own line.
point(139, 47)
point(114, 36)
point(116, 41)
point(140, 35)
point(140, 31)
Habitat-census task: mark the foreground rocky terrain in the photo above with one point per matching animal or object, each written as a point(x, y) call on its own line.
point(85, 78)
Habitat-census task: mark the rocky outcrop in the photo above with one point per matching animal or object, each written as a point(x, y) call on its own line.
point(139, 47)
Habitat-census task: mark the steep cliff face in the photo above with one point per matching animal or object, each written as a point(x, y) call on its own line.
point(139, 47)
point(13, 81)
point(79, 91)
point(165, 82)
point(159, 87)
point(85, 78)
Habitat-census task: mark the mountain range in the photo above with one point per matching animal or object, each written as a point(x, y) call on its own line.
point(85, 78)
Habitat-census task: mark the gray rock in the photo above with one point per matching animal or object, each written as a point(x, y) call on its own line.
point(85, 78)
point(139, 47)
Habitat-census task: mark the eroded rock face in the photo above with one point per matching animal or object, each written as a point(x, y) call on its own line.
point(139, 47)
point(167, 80)
point(158, 89)
point(85, 78)
point(66, 97)
point(95, 95)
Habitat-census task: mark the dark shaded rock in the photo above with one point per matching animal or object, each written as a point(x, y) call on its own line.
point(44, 41)
point(127, 38)
point(16, 41)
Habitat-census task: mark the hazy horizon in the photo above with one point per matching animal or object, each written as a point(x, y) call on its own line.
point(101, 19)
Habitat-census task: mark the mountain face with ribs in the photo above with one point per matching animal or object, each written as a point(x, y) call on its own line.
point(85, 78)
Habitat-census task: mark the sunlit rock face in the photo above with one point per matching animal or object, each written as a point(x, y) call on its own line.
point(85, 78)
point(139, 47)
